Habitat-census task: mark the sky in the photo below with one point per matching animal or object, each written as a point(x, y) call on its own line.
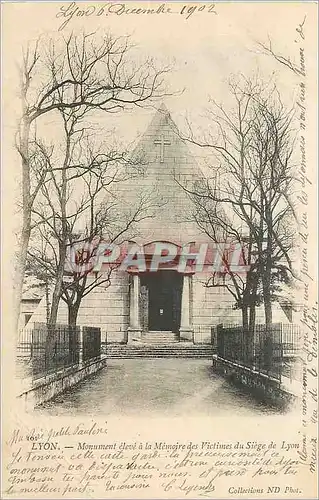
point(204, 50)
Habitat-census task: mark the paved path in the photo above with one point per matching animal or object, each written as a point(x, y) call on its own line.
point(162, 387)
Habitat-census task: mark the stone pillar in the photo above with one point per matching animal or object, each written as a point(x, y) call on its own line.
point(134, 330)
point(186, 332)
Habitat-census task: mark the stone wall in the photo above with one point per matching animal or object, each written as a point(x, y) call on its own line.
point(262, 387)
point(210, 306)
point(46, 388)
point(104, 307)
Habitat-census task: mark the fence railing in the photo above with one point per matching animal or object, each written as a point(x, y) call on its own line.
point(91, 342)
point(43, 350)
point(271, 351)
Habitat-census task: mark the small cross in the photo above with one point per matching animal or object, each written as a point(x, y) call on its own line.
point(162, 142)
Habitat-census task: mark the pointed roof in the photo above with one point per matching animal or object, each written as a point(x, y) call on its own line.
point(168, 165)
point(162, 117)
point(163, 107)
point(161, 122)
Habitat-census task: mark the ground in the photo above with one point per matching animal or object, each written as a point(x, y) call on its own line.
point(155, 387)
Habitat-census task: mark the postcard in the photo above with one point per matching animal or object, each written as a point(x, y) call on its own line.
point(159, 250)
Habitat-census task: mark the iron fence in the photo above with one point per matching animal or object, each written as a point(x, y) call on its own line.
point(43, 350)
point(270, 350)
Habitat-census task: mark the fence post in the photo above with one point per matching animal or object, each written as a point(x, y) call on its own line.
point(213, 335)
point(31, 346)
point(81, 345)
point(220, 341)
point(254, 341)
point(269, 348)
point(281, 351)
point(105, 346)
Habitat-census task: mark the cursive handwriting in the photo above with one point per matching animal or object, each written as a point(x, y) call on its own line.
point(186, 469)
point(72, 11)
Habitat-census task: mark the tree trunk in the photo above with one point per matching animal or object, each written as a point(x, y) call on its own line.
point(251, 332)
point(74, 346)
point(55, 304)
point(56, 296)
point(57, 292)
point(267, 270)
point(244, 312)
point(47, 300)
point(252, 306)
point(268, 322)
point(23, 240)
point(267, 306)
point(19, 272)
point(267, 295)
point(73, 310)
point(268, 345)
point(252, 317)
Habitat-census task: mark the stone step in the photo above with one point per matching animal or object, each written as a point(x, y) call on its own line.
point(156, 332)
point(155, 335)
point(160, 334)
point(159, 356)
point(160, 337)
point(159, 351)
point(162, 351)
point(174, 345)
point(156, 339)
point(160, 341)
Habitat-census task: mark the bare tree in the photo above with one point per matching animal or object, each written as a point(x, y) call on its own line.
point(82, 283)
point(83, 72)
point(269, 50)
point(234, 259)
point(253, 201)
point(240, 277)
point(77, 205)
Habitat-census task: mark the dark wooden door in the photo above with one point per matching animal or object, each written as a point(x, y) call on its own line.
point(164, 301)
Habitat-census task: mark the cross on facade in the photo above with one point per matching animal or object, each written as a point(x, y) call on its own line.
point(162, 142)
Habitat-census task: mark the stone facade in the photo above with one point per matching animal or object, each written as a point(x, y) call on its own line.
point(118, 309)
